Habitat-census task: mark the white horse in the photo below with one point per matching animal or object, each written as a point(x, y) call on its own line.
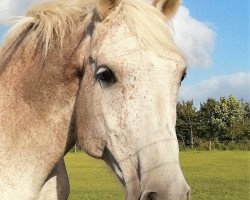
point(126, 108)
point(40, 70)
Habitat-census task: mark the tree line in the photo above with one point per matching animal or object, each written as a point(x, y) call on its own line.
point(220, 124)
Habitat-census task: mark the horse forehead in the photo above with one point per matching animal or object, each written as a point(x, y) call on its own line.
point(115, 38)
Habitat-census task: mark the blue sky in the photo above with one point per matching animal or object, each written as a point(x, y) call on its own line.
point(2, 32)
point(214, 36)
point(231, 53)
point(230, 20)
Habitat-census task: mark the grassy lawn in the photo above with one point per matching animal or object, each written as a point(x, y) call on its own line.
point(212, 175)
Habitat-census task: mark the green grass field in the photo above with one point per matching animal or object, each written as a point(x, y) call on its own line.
point(212, 176)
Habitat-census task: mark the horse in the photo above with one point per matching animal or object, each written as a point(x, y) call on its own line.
point(126, 108)
point(106, 72)
point(40, 70)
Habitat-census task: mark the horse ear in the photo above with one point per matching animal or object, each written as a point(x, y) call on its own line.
point(104, 7)
point(167, 7)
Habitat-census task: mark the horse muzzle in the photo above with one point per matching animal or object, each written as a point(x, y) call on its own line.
point(165, 184)
point(185, 195)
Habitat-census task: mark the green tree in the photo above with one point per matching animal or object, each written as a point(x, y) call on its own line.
point(246, 106)
point(186, 125)
point(229, 117)
point(209, 128)
point(246, 135)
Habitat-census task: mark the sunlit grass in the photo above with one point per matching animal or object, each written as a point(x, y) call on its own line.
point(217, 175)
point(212, 175)
point(91, 179)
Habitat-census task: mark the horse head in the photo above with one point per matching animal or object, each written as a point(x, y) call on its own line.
point(126, 108)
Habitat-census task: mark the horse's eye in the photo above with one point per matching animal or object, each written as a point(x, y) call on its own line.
point(104, 75)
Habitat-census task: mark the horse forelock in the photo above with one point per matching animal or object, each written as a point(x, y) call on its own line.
point(149, 25)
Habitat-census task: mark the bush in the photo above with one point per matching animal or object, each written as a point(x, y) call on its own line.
point(203, 145)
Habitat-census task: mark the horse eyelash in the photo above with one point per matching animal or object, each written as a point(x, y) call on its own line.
point(184, 74)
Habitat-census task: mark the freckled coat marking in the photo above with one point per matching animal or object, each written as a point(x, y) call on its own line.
point(130, 125)
point(38, 87)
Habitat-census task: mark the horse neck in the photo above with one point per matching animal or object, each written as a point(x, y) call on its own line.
point(37, 100)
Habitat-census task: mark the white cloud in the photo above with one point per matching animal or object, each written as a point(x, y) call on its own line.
point(237, 84)
point(11, 8)
point(4, 8)
point(195, 38)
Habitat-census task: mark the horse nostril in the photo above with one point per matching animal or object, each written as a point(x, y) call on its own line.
point(152, 196)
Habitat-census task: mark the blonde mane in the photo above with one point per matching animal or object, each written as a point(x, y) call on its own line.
point(55, 20)
point(52, 21)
